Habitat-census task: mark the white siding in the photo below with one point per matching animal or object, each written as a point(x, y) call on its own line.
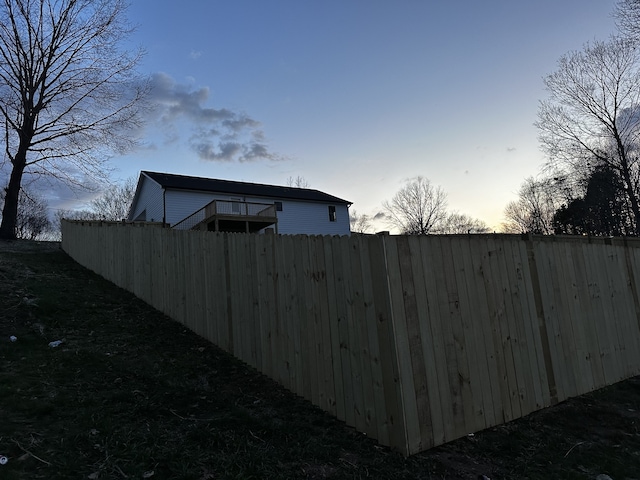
point(296, 217)
point(312, 218)
point(150, 201)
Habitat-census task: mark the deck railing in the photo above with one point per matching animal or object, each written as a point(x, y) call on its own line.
point(227, 209)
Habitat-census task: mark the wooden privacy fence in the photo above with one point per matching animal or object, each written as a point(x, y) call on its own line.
point(413, 340)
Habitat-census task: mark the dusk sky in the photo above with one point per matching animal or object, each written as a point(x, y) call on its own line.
point(356, 96)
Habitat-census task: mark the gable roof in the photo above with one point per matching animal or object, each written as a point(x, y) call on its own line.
point(183, 182)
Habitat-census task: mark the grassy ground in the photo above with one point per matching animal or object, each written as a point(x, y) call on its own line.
point(131, 394)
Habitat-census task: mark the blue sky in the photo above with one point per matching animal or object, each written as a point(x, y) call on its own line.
point(356, 96)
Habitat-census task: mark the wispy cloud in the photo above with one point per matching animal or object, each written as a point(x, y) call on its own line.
point(215, 134)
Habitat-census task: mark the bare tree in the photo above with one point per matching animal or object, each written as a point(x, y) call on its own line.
point(298, 182)
point(68, 93)
point(627, 15)
point(457, 223)
point(359, 223)
point(33, 221)
point(418, 208)
point(592, 116)
point(535, 207)
point(114, 203)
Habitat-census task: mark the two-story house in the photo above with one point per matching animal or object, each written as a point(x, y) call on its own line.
point(186, 202)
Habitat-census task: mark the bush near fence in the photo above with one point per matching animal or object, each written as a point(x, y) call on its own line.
point(413, 340)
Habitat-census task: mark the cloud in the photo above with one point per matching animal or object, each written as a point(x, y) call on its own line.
point(511, 149)
point(215, 134)
point(195, 54)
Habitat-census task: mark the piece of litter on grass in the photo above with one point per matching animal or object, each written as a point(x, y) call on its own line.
point(13, 338)
point(148, 474)
point(93, 475)
point(55, 344)
point(3, 460)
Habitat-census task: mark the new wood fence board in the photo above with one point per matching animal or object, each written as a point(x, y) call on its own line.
point(554, 320)
point(292, 325)
point(208, 292)
point(591, 372)
point(490, 366)
point(525, 317)
point(394, 421)
point(476, 315)
point(622, 303)
point(333, 287)
point(564, 375)
point(254, 279)
point(362, 354)
point(583, 331)
point(541, 397)
point(349, 338)
point(517, 331)
point(270, 308)
point(396, 289)
point(474, 414)
point(598, 287)
point(157, 266)
point(613, 307)
point(325, 370)
point(219, 267)
point(431, 337)
point(306, 322)
point(443, 422)
point(632, 254)
point(432, 432)
point(192, 293)
point(412, 287)
point(370, 331)
point(313, 334)
point(456, 349)
point(633, 338)
point(500, 329)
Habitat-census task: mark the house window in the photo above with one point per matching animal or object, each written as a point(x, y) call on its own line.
point(278, 206)
point(332, 213)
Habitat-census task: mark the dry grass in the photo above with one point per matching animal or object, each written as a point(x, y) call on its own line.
point(132, 394)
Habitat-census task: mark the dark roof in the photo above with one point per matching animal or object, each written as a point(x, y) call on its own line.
point(183, 182)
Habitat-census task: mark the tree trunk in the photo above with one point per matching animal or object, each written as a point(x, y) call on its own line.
point(633, 199)
point(10, 209)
